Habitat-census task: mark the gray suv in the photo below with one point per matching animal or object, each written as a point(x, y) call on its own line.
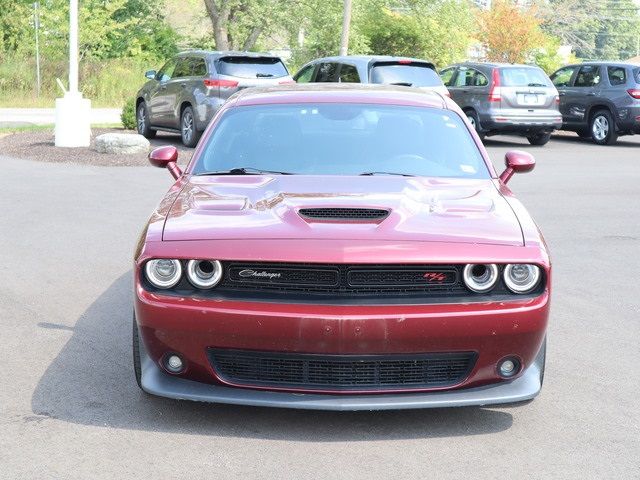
point(505, 99)
point(190, 88)
point(599, 100)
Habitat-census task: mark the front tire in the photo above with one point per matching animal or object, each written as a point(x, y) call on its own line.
point(142, 121)
point(188, 130)
point(603, 128)
point(539, 139)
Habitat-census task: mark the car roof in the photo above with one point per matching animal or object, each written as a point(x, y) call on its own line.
point(493, 65)
point(368, 58)
point(339, 93)
point(232, 53)
point(604, 62)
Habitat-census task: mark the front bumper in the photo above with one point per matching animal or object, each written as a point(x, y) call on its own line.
point(190, 327)
point(525, 387)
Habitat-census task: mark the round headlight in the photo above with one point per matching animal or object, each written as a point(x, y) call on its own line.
point(480, 277)
point(163, 272)
point(204, 273)
point(521, 278)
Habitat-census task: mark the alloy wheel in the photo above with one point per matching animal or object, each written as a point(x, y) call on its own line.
point(187, 126)
point(141, 119)
point(600, 128)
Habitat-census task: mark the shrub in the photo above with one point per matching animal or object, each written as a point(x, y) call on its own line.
point(128, 115)
point(107, 83)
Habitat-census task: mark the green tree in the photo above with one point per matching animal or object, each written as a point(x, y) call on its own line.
point(438, 30)
point(108, 29)
point(596, 29)
point(238, 24)
point(315, 28)
point(16, 28)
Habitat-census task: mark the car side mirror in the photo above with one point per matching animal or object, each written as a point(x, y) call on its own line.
point(150, 74)
point(166, 157)
point(517, 161)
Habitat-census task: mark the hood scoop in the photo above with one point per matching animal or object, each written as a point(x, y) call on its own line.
point(337, 214)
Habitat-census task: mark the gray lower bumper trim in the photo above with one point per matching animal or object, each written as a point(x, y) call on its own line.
point(526, 387)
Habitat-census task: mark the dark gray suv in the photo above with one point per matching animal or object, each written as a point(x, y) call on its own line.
point(190, 88)
point(501, 98)
point(599, 100)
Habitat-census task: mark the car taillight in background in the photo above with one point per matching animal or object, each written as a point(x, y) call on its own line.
point(634, 92)
point(557, 99)
point(220, 83)
point(494, 93)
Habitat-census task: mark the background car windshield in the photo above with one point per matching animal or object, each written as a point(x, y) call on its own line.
point(343, 139)
point(414, 75)
point(247, 67)
point(523, 77)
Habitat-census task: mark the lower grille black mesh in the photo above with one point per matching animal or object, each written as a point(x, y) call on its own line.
point(341, 372)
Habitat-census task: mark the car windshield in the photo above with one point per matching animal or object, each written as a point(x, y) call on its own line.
point(523, 77)
point(251, 67)
point(411, 75)
point(342, 139)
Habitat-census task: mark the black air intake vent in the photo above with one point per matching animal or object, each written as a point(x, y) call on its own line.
point(341, 372)
point(348, 214)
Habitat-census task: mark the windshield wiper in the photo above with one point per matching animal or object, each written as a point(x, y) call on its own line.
point(536, 85)
point(264, 75)
point(402, 84)
point(369, 174)
point(245, 171)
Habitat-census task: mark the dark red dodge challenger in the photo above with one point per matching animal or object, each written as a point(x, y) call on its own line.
point(341, 248)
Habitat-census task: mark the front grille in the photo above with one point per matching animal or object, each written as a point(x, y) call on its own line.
point(341, 372)
point(353, 214)
point(343, 280)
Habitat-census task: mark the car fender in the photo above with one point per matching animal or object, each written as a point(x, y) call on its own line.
point(600, 103)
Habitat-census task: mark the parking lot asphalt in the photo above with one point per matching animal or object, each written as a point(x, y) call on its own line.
point(70, 408)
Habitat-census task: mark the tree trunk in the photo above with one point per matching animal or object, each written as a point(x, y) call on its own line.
point(251, 40)
point(219, 20)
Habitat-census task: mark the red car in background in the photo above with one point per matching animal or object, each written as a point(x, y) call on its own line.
point(341, 247)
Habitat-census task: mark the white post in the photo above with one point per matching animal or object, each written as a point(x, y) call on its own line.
point(36, 23)
point(73, 127)
point(73, 46)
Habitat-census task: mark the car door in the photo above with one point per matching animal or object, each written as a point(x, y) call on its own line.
point(193, 89)
point(563, 81)
point(583, 94)
point(159, 106)
point(174, 92)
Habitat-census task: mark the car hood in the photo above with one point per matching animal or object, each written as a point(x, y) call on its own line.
point(267, 207)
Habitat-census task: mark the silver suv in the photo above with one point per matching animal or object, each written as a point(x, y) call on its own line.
point(505, 99)
point(190, 88)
